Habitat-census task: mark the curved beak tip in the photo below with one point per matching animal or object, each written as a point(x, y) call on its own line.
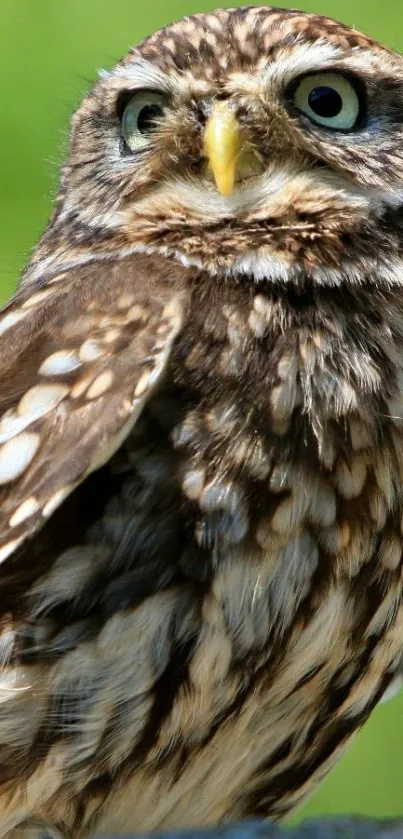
point(222, 146)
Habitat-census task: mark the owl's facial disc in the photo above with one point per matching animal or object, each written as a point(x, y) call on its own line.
point(241, 158)
point(250, 139)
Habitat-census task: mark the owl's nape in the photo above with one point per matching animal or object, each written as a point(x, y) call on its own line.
point(201, 412)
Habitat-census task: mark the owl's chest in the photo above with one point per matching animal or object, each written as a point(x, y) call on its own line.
point(242, 573)
point(293, 546)
point(288, 467)
point(289, 456)
point(288, 421)
point(285, 370)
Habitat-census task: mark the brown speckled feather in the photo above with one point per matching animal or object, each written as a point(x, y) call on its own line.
point(201, 428)
point(83, 356)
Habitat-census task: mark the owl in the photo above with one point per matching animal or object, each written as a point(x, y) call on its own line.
point(201, 434)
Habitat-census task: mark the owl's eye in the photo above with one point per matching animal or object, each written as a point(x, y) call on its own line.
point(140, 117)
point(328, 99)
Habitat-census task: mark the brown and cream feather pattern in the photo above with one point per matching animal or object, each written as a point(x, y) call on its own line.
point(201, 431)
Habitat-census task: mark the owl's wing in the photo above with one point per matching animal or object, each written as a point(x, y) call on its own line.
point(79, 358)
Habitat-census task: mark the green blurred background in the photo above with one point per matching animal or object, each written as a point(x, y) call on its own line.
point(50, 50)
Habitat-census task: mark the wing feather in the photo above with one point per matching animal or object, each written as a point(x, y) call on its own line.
point(79, 358)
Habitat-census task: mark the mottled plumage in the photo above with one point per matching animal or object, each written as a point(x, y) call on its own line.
point(201, 435)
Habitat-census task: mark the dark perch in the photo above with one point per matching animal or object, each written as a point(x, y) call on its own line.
point(344, 827)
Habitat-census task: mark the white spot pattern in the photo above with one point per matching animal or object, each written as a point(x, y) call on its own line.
point(25, 510)
point(89, 351)
point(63, 361)
point(11, 425)
point(16, 455)
point(37, 298)
point(8, 549)
point(101, 384)
point(10, 320)
point(142, 384)
point(55, 501)
point(41, 399)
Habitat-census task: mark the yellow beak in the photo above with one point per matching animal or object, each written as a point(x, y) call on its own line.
point(222, 146)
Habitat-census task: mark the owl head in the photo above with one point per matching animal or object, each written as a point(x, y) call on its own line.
point(256, 141)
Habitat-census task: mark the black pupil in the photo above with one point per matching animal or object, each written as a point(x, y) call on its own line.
point(325, 101)
point(147, 118)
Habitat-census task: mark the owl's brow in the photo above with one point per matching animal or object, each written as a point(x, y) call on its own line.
point(140, 73)
point(289, 62)
point(144, 74)
point(300, 58)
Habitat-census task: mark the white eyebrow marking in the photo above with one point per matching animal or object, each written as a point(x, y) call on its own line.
point(141, 73)
point(290, 63)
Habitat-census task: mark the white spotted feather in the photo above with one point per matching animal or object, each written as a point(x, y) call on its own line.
point(73, 396)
